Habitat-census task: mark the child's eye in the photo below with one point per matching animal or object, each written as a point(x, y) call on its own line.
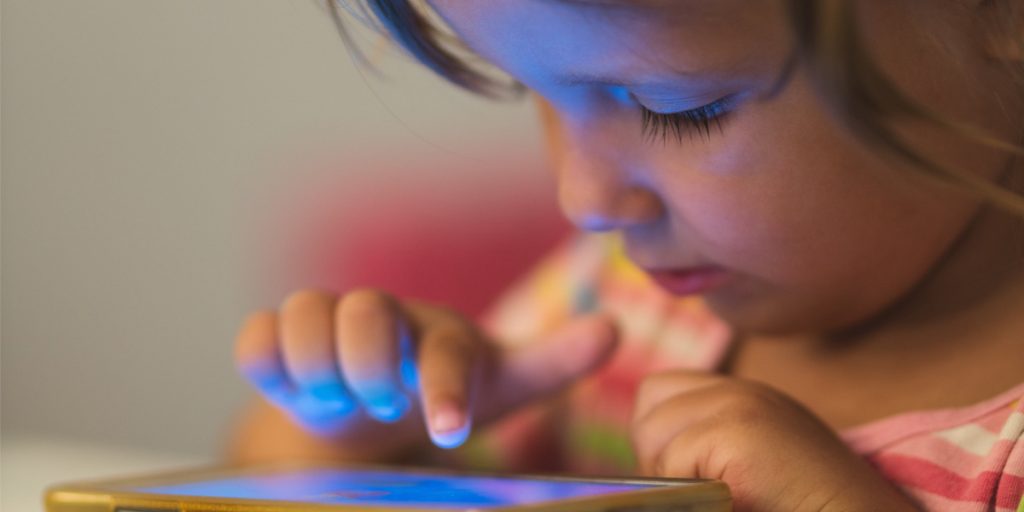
point(694, 121)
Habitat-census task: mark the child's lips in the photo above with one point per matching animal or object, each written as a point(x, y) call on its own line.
point(690, 280)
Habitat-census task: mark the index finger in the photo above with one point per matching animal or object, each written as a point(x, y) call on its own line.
point(450, 365)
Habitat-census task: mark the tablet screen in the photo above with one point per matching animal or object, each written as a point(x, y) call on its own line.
point(417, 490)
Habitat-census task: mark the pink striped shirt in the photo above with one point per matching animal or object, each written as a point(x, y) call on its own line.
point(966, 459)
point(970, 458)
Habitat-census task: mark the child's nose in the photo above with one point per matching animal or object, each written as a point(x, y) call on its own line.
point(597, 200)
point(596, 190)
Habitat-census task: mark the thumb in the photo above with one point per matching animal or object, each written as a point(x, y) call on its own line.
point(541, 368)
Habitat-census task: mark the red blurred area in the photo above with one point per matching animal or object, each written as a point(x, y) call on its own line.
point(456, 236)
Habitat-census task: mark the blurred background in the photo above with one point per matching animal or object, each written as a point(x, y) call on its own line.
point(170, 166)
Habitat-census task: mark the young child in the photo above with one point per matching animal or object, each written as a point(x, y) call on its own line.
point(812, 281)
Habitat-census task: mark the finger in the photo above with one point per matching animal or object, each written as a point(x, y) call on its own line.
point(659, 387)
point(713, 401)
point(549, 365)
point(307, 344)
point(371, 328)
point(653, 431)
point(258, 357)
point(687, 453)
point(449, 370)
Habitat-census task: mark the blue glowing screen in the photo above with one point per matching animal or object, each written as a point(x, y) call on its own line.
point(381, 488)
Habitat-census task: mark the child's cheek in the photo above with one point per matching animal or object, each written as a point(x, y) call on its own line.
point(817, 236)
point(781, 193)
point(744, 207)
point(789, 228)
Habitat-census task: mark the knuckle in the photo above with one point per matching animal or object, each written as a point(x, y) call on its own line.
point(648, 385)
point(446, 364)
point(257, 330)
point(305, 299)
point(662, 465)
point(256, 325)
point(365, 303)
point(640, 420)
point(643, 458)
point(744, 405)
point(440, 310)
point(674, 460)
point(636, 425)
point(640, 437)
point(444, 317)
point(450, 337)
point(258, 319)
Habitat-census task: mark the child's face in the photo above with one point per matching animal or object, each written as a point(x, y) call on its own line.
point(814, 231)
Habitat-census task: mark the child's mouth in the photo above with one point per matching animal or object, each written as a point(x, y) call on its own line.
point(690, 280)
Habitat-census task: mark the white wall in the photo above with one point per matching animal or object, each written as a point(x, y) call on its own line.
point(144, 143)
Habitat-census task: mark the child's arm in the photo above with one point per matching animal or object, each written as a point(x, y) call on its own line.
point(345, 386)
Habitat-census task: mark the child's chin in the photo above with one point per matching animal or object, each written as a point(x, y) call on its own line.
point(761, 312)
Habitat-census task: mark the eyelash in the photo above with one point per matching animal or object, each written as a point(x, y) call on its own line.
point(697, 120)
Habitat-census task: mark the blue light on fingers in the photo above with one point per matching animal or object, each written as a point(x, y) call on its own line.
point(319, 416)
point(452, 439)
point(385, 403)
point(332, 394)
point(407, 363)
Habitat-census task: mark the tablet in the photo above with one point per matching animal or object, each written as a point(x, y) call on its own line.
point(382, 489)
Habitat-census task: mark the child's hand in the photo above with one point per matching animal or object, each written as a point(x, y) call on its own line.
point(355, 368)
point(771, 451)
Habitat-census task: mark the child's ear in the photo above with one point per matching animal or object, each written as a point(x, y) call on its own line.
point(1004, 27)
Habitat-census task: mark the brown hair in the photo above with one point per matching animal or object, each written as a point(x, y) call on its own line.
point(827, 42)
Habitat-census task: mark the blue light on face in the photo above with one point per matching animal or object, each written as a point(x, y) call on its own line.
point(621, 95)
point(381, 488)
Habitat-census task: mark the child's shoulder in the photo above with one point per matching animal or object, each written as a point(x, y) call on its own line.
point(953, 458)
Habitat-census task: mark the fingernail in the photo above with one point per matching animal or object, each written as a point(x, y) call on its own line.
point(446, 420)
point(389, 409)
point(449, 428)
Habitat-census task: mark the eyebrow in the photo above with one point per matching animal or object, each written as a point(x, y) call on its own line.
point(619, 3)
point(580, 78)
point(576, 77)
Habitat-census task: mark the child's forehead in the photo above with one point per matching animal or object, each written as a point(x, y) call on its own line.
point(564, 40)
point(651, 11)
